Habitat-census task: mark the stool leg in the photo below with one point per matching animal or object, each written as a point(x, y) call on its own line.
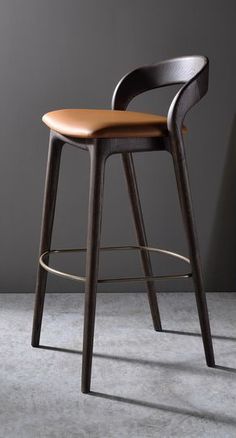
point(97, 163)
point(49, 203)
point(183, 185)
point(141, 235)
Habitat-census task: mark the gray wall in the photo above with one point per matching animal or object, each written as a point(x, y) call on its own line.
point(71, 53)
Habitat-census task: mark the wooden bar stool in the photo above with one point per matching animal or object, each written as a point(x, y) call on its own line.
point(106, 132)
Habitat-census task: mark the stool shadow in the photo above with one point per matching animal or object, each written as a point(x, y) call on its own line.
point(177, 332)
point(224, 419)
point(181, 366)
point(206, 415)
point(220, 264)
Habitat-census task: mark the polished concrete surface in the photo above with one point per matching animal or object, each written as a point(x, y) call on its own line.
point(144, 384)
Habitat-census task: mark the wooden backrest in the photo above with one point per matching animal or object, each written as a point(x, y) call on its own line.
point(191, 71)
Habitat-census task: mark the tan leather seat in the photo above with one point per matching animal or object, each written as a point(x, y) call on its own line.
point(92, 123)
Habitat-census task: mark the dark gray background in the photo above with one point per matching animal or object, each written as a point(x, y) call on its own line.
point(71, 53)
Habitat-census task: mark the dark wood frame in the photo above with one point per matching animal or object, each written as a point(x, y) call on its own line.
point(192, 72)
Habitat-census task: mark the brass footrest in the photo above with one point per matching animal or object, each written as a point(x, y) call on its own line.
point(119, 279)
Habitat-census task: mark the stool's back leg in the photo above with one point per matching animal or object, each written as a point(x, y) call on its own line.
point(183, 185)
point(97, 168)
point(49, 203)
point(141, 235)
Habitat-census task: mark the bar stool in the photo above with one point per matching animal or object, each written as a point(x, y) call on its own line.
point(116, 131)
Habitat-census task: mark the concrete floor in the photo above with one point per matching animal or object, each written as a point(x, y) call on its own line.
point(145, 384)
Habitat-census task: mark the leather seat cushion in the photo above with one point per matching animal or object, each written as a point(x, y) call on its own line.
point(93, 123)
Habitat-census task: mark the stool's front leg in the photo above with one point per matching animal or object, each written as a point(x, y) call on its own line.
point(49, 204)
point(97, 167)
point(141, 235)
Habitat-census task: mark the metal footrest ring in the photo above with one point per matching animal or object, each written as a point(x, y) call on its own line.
point(119, 279)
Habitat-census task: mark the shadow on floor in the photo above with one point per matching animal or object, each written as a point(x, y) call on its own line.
point(206, 415)
point(181, 366)
point(223, 338)
point(217, 417)
point(221, 261)
point(214, 417)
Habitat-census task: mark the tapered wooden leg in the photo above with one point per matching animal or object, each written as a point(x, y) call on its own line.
point(49, 203)
point(182, 179)
point(92, 261)
point(141, 235)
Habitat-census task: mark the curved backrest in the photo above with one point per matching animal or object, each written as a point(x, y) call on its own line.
point(192, 71)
